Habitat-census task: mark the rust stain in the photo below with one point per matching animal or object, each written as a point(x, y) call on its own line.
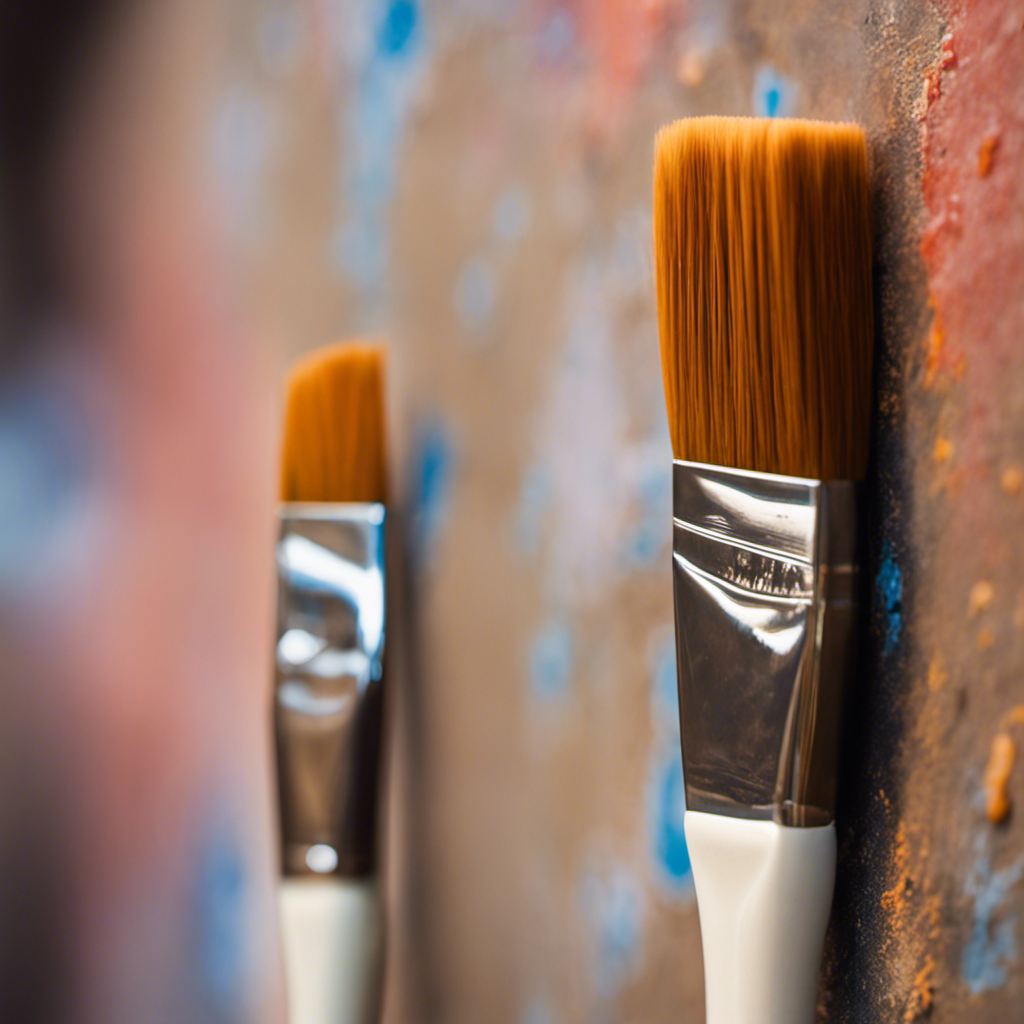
point(1015, 716)
point(997, 777)
point(986, 153)
point(943, 450)
point(933, 352)
point(691, 67)
point(931, 89)
point(911, 906)
point(986, 638)
point(937, 675)
point(922, 995)
point(981, 596)
point(894, 900)
point(1011, 479)
point(951, 482)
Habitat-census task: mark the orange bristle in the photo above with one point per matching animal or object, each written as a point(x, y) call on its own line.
point(334, 443)
point(763, 263)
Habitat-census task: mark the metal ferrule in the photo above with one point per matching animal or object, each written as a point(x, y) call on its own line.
point(764, 573)
point(328, 694)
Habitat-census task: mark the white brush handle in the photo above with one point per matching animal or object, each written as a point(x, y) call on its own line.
point(333, 935)
point(763, 893)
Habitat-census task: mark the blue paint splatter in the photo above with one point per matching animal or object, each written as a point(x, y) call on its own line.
point(889, 585)
point(666, 794)
point(387, 82)
point(221, 921)
point(475, 292)
point(358, 251)
point(774, 94)
point(282, 35)
point(557, 36)
point(667, 802)
point(551, 661)
point(644, 544)
point(432, 471)
point(613, 910)
point(240, 142)
point(536, 1011)
point(534, 500)
point(992, 947)
point(44, 482)
point(398, 28)
point(511, 215)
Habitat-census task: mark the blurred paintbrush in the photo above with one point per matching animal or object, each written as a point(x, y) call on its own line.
point(329, 683)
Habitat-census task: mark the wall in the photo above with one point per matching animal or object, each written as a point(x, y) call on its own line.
point(471, 179)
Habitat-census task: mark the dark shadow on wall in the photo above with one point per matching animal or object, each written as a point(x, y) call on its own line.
point(859, 985)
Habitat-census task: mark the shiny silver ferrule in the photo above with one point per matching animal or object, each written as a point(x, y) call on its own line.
point(328, 693)
point(764, 573)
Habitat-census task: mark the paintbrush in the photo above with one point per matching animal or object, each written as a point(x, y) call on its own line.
point(763, 266)
point(329, 683)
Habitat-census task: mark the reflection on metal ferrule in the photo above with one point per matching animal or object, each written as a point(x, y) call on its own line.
point(764, 573)
point(329, 685)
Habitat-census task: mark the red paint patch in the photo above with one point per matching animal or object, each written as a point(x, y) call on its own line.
point(619, 38)
point(973, 243)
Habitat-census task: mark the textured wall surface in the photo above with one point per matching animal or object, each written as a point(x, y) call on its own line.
point(471, 179)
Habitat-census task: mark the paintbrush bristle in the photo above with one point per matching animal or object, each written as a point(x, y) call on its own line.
point(763, 264)
point(333, 447)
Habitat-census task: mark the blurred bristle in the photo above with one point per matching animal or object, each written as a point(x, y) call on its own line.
point(334, 445)
point(763, 265)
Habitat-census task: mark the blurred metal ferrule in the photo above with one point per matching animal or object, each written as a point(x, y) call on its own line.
point(328, 694)
point(765, 579)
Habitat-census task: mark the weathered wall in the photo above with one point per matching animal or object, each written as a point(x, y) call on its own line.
point(472, 179)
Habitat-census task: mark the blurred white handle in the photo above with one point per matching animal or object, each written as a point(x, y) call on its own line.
point(763, 893)
point(333, 936)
